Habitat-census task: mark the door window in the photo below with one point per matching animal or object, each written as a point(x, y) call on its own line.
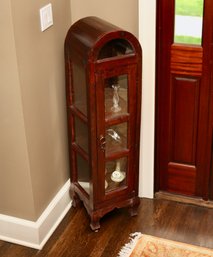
point(188, 21)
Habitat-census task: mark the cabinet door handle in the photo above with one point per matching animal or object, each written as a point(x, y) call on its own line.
point(102, 142)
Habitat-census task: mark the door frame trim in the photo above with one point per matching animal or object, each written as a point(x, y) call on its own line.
point(147, 38)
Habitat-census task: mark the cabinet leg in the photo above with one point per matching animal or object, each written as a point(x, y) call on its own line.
point(76, 202)
point(133, 210)
point(95, 223)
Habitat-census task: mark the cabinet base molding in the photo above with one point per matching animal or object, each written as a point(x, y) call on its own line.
point(131, 203)
point(183, 199)
point(35, 234)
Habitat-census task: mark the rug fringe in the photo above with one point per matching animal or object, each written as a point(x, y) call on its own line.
point(128, 248)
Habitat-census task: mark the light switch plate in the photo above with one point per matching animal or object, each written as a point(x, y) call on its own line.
point(46, 17)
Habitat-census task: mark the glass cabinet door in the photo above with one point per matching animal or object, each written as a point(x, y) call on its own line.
point(116, 131)
point(116, 114)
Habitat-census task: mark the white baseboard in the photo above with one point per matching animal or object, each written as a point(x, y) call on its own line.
point(35, 234)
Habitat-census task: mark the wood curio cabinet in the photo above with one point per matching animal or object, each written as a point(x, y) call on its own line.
point(103, 87)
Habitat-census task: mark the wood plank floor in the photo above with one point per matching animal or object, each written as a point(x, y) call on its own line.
point(166, 219)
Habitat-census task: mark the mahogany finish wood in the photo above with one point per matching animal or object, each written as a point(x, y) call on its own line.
point(211, 175)
point(186, 60)
point(166, 219)
point(183, 108)
point(91, 62)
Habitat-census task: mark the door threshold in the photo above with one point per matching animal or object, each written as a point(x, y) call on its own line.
point(184, 199)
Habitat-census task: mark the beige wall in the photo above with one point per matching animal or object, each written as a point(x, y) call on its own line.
point(123, 13)
point(33, 143)
point(33, 135)
point(15, 181)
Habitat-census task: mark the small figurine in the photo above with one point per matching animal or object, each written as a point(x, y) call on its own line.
point(115, 99)
point(114, 135)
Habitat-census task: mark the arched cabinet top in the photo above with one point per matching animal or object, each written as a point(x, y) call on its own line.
point(93, 39)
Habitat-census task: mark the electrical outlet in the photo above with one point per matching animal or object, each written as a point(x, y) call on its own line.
point(46, 17)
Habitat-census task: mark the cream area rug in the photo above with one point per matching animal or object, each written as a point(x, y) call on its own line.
point(150, 246)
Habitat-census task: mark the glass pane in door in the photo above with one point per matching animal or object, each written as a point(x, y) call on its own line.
point(81, 134)
point(114, 48)
point(188, 21)
point(83, 172)
point(115, 174)
point(116, 96)
point(79, 91)
point(116, 138)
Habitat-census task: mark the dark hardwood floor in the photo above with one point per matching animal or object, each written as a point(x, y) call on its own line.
point(166, 219)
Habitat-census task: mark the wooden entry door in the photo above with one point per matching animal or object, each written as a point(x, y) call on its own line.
point(183, 102)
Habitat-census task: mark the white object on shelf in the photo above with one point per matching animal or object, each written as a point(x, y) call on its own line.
point(117, 174)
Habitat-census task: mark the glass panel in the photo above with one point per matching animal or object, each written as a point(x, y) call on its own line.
point(188, 21)
point(83, 172)
point(115, 174)
point(81, 134)
point(79, 87)
point(115, 47)
point(116, 138)
point(116, 96)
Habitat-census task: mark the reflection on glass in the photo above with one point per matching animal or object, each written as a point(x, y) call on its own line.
point(79, 87)
point(83, 172)
point(81, 134)
point(116, 95)
point(116, 138)
point(115, 174)
point(115, 47)
point(188, 21)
